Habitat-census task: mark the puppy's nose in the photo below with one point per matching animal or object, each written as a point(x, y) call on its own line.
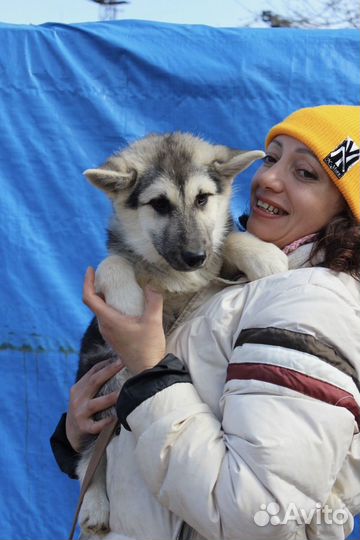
point(194, 259)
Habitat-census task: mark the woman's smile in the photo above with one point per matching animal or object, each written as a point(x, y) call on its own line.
point(267, 208)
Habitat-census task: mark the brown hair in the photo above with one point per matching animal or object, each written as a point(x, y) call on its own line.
point(339, 245)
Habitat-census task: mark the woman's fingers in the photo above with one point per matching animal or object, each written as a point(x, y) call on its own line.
point(97, 376)
point(102, 403)
point(90, 298)
point(154, 303)
point(97, 379)
point(83, 405)
point(95, 427)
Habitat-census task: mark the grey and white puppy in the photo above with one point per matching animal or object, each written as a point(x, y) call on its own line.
point(172, 228)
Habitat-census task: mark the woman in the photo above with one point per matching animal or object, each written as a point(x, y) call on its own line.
point(250, 424)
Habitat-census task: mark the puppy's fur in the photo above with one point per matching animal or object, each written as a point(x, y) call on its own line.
point(171, 228)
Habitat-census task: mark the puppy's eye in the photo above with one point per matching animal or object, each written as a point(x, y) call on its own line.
point(202, 199)
point(161, 205)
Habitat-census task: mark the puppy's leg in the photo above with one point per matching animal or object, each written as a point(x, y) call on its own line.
point(115, 279)
point(257, 259)
point(95, 509)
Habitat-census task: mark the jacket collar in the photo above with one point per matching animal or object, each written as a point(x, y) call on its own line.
point(300, 258)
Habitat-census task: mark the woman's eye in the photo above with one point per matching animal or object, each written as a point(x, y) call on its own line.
point(268, 159)
point(308, 174)
point(202, 199)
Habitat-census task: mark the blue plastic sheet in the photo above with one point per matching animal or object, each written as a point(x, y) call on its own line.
point(69, 97)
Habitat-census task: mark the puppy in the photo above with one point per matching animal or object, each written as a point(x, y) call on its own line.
point(171, 228)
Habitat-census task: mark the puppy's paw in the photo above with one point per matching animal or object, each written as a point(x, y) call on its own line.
point(129, 301)
point(266, 261)
point(94, 514)
point(257, 259)
point(115, 279)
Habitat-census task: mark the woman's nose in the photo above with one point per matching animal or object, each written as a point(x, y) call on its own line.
point(271, 178)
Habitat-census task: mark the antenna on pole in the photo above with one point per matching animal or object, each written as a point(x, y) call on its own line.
point(109, 8)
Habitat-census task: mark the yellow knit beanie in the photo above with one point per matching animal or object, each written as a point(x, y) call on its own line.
point(332, 132)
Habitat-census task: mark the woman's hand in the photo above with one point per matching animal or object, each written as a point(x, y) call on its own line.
point(83, 403)
point(139, 341)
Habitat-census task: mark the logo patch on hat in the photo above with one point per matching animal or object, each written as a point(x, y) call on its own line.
point(343, 158)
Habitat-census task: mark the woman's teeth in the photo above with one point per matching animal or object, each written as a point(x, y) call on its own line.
point(268, 208)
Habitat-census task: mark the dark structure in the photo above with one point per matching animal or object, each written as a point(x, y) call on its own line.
point(109, 8)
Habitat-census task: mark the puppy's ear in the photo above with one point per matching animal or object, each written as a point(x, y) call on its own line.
point(112, 177)
point(237, 162)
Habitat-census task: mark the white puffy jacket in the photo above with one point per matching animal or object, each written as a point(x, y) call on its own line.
point(271, 417)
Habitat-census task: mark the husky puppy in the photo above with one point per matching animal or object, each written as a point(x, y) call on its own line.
point(172, 228)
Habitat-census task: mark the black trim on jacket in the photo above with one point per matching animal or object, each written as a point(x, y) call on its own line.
point(148, 383)
point(65, 455)
point(299, 342)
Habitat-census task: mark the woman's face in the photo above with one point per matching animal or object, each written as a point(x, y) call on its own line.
point(291, 194)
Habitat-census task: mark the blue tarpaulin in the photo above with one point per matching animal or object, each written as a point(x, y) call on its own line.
point(69, 97)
